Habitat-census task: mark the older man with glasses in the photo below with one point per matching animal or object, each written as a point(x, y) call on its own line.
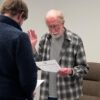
point(67, 49)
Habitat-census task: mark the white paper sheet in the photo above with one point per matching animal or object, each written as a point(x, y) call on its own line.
point(39, 82)
point(49, 66)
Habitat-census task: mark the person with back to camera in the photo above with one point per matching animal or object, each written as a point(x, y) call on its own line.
point(18, 71)
point(67, 49)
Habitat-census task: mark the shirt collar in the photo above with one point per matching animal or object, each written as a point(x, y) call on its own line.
point(67, 34)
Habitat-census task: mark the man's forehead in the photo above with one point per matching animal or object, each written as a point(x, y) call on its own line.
point(52, 19)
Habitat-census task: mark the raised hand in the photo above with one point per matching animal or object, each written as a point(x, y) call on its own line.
point(33, 37)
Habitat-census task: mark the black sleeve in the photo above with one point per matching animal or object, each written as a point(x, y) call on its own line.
point(26, 64)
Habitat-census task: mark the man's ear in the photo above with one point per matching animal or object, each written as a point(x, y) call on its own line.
point(20, 15)
point(19, 18)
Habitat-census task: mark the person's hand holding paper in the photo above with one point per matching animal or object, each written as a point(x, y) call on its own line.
point(65, 71)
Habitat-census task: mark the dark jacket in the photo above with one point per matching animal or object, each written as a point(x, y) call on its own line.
point(18, 71)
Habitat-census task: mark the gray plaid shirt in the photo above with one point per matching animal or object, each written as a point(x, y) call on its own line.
point(72, 55)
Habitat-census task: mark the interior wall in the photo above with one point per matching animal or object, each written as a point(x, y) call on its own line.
point(81, 17)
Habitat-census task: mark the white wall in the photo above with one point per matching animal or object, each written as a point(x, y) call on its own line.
point(82, 17)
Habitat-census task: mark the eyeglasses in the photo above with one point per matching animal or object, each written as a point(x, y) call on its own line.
point(54, 26)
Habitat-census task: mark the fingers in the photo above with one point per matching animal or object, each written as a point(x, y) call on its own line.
point(65, 71)
point(32, 35)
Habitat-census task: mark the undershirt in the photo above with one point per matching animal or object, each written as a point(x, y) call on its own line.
point(56, 44)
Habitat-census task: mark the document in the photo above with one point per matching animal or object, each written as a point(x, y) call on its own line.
point(39, 82)
point(49, 66)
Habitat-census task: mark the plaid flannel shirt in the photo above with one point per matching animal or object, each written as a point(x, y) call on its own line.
point(72, 55)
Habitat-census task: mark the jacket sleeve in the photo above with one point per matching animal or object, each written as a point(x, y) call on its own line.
point(81, 67)
point(26, 64)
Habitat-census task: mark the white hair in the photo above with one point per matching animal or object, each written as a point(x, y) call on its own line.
point(55, 13)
